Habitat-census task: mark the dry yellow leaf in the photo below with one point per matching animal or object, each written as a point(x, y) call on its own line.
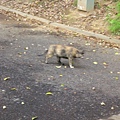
point(60, 75)
point(13, 89)
point(58, 66)
point(102, 103)
point(7, 78)
point(95, 63)
point(33, 118)
point(49, 93)
point(4, 107)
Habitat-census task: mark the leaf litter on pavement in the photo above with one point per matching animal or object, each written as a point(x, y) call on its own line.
point(62, 85)
point(64, 11)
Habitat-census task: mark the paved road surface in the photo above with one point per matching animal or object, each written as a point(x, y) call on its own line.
point(90, 91)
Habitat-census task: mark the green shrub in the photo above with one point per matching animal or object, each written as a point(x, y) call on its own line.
point(75, 3)
point(118, 7)
point(115, 26)
point(114, 23)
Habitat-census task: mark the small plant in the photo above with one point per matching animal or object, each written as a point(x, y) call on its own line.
point(114, 23)
point(115, 26)
point(75, 3)
point(115, 0)
point(118, 7)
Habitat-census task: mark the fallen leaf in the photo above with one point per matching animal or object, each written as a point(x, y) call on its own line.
point(93, 88)
point(62, 85)
point(111, 72)
point(87, 44)
point(49, 93)
point(116, 78)
point(95, 63)
point(7, 78)
point(117, 53)
point(26, 48)
point(13, 89)
point(105, 64)
point(112, 108)
point(71, 43)
point(58, 66)
point(105, 67)
point(28, 88)
point(60, 75)
point(4, 107)
point(102, 103)
point(19, 53)
point(65, 66)
point(34, 118)
point(22, 103)
point(24, 52)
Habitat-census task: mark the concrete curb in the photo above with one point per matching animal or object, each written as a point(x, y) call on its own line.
point(62, 26)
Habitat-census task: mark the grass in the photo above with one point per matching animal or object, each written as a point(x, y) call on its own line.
point(114, 22)
point(75, 3)
point(115, 26)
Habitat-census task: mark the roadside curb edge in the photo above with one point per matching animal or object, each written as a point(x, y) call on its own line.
point(62, 26)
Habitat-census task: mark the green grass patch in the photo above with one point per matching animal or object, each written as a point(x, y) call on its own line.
point(114, 22)
point(75, 3)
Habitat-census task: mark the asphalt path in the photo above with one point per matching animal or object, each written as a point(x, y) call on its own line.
point(31, 89)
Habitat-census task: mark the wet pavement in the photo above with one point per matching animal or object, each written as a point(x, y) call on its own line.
point(31, 89)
